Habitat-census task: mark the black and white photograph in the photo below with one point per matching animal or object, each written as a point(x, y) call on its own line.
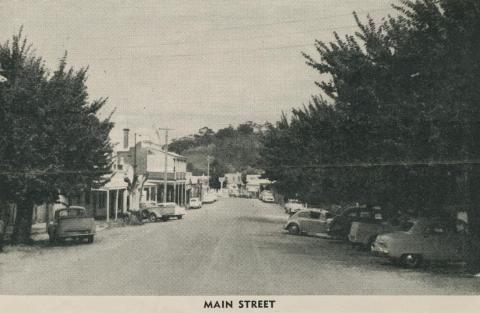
point(237, 153)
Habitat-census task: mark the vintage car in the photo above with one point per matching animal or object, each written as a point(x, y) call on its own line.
point(267, 196)
point(422, 240)
point(368, 226)
point(308, 221)
point(364, 233)
point(71, 222)
point(163, 211)
point(292, 206)
point(209, 198)
point(195, 203)
point(341, 223)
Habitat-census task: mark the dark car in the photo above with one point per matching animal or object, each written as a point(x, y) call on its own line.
point(340, 225)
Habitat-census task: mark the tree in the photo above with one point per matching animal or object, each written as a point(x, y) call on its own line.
point(51, 140)
point(400, 126)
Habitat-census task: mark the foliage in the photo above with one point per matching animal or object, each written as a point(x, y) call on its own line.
point(51, 140)
point(231, 150)
point(400, 126)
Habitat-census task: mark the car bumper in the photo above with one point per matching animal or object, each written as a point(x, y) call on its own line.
point(380, 251)
point(75, 234)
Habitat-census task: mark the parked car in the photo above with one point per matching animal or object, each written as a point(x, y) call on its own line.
point(267, 196)
point(71, 222)
point(340, 226)
point(209, 198)
point(195, 203)
point(244, 194)
point(368, 226)
point(164, 211)
point(292, 206)
point(420, 240)
point(308, 221)
point(364, 233)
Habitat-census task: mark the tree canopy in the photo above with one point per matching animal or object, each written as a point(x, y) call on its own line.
point(231, 150)
point(51, 139)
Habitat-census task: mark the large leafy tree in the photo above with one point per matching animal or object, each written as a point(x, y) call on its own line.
point(51, 140)
point(399, 124)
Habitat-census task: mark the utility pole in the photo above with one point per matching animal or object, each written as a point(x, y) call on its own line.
point(208, 172)
point(165, 175)
point(134, 156)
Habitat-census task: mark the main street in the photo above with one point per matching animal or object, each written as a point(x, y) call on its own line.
point(232, 247)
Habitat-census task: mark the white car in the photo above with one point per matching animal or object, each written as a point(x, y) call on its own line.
point(267, 196)
point(195, 203)
point(209, 198)
point(165, 211)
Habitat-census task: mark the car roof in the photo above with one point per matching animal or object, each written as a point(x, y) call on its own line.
point(76, 207)
point(314, 210)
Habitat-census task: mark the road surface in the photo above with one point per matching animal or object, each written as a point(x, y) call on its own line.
point(231, 247)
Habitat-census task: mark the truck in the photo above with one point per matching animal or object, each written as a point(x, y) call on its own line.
point(71, 222)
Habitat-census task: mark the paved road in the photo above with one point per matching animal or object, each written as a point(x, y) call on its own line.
point(232, 247)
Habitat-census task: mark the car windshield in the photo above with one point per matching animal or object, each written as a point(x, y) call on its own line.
point(71, 213)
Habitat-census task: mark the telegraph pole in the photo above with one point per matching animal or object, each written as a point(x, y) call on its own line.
point(208, 171)
point(165, 176)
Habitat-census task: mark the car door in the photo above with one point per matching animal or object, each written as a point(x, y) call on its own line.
point(303, 219)
point(314, 222)
point(433, 241)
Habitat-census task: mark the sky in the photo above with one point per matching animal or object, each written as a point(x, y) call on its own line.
point(188, 64)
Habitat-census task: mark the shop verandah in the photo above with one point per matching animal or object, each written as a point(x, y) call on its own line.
point(110, 201)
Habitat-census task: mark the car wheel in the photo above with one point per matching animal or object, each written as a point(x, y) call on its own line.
point(411, 260)
point(90, 239)
point(152, 217)
point(51, 238)
point(164, 218)
point(293, 229)
point(180, 217)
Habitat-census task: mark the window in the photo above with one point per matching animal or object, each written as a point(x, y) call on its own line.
point(314, 215)
point(303, 214)
point(436, 228)
point(328, 215)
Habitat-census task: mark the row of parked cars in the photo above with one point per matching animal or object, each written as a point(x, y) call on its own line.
point(73, 222)
point(409, 241)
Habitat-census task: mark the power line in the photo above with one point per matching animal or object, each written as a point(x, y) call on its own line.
point(293, 21)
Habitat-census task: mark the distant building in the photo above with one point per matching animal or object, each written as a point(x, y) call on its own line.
point(149, 159)
point(255, 185)
point(233, 180)
point(197, 186)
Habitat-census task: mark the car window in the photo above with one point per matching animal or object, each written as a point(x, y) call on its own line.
point(71, 213)
point(303, 214)
point(314, 215)
point(328, 215)
point(352, 214)
point(405, 226)
point(436, 228)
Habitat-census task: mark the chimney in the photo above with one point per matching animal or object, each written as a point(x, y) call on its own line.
point(125, 138)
